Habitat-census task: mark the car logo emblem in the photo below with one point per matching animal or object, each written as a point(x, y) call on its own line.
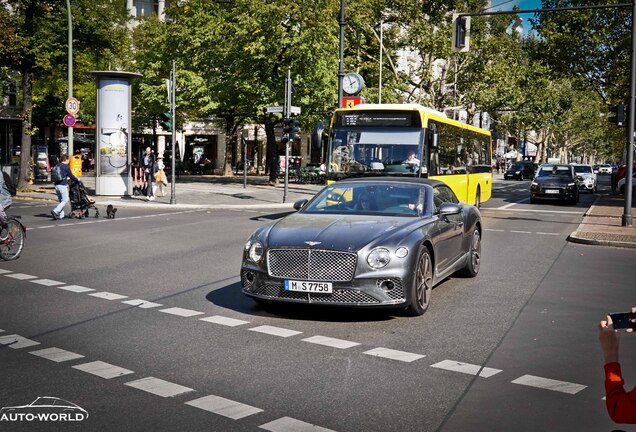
point(312, 243)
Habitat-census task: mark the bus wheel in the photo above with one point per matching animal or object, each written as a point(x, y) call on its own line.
point(478, 198)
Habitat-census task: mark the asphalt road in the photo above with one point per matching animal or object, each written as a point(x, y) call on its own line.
point(151, 302)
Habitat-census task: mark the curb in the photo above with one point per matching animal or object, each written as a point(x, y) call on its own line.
point(574, 238)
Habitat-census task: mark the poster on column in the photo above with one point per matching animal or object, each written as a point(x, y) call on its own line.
point(113, 122)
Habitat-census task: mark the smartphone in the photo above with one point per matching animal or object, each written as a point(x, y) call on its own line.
point(623, 320)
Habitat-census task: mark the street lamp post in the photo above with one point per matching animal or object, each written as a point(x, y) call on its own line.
point(70, 70)
point(341, 58)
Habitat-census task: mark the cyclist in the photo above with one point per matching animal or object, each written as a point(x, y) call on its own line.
point(5, 202)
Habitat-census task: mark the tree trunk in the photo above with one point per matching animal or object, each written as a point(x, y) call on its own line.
point(26, 165)
point(272, 151)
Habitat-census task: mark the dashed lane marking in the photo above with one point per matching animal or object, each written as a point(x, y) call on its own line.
point(230, 322)
point(102, 369)
point(549, 384)
point(466, 368)
point(224, 407)
point(16, 341)
point(46, 282)
point(3, 271)
point(180, 312)
point(394, 354)
point(159, 387)
point(76, 288)
point(56, 354)
point(20, 276)
point(548, 233)
point(521, 232)
point(275, 331)
point(288, 424)
point(108, 295)
point(144, 304)
point(517, 210)
point(331, 342)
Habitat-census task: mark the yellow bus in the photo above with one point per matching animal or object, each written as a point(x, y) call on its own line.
point(410, 140)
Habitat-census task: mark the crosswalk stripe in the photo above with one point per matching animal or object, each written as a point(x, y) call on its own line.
point(46, 282)
point(466, 368)
point(159, 387)
point(230, 322)
point(108, 295)
point(4, 271)
point(16, 341)
point(180, 312)
point(275, 331)
point(102, 369)
point(76, 288)
point(144, 304)
point(56, 354)
point(331, 342)
point(224, 407)
point(20, 276)
point(549, 384)
point(288, 424)
point(394, 354)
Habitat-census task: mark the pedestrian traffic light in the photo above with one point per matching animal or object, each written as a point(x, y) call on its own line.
point(291, 128)
point(166, 121)
point(461, 33)
point(619, 114)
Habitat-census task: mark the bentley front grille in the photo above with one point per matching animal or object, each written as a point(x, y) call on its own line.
point(311, 265)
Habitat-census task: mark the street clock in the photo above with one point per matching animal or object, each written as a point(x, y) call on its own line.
point(352, 83)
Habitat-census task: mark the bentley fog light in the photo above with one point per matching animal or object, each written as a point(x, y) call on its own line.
point(378, 258)
point(401, 252)
point(256, 251)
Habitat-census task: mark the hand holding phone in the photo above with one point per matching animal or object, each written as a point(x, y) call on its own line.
point(623, 320)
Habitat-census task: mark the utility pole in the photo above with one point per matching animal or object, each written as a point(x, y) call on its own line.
point(173, 111)
point(286, 115)
point(70, 71)
point(341, 58)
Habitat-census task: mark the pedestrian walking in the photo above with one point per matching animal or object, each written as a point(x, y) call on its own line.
point(5, 202)
point(621, 405)
point(61, 185)
point(160, 177)
point(150, 171)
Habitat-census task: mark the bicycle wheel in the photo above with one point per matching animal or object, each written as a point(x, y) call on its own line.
point(11, 247)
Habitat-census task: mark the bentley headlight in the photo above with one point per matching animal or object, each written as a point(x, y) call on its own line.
point(256, 251)
point(378, 258)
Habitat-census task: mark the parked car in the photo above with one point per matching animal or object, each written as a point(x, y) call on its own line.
point(605, 169)
point(621, 184)
point(555, 182)
point(365, 242)
point(520, 170)
point(586, 177)
point(42, 167)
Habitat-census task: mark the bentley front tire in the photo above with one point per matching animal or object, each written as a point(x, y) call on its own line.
point(422, 284)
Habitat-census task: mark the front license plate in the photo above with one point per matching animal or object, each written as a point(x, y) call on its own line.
point(304, 286)
point(552, 191)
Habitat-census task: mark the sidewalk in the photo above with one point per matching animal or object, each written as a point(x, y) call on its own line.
point(601, 224)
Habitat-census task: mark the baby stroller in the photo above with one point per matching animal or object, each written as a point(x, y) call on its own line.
point(80, 201)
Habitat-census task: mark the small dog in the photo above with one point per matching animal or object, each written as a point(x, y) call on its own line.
point(110, 212)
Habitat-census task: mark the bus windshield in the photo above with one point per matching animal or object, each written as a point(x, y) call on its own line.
point(384, 150)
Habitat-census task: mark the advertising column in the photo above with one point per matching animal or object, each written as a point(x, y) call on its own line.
point(113, 132)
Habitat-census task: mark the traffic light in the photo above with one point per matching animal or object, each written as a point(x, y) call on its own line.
point(166, 121)
point(291, 128)
point(619, 114)
point(461, 33)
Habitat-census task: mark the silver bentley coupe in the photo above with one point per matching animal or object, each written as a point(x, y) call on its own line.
point(365, 242)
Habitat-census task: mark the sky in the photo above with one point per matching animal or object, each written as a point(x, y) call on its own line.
point(522, 4)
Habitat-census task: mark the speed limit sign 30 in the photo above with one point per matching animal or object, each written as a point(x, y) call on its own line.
point(72, 106)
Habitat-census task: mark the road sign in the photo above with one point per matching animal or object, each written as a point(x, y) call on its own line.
point(351, 101)
point(295, 110)
point(280, 110)
point(72, 106)
point(69, 120)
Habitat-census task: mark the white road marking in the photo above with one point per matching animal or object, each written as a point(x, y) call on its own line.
point(144, 304)
point(466, 368)
point(331, 342)
point(3, 271)
point(275, 331)
point(224, 407)
point(507, 206)
point(548, 233)
point(108, 295)
point(230, 322)
point(46, 282)
point(288, 424)
point(394, 354)
point(521, 232)
point(70, 224)
point(20, 276)
point(180, 312)
point(549, 384)
point(102, 369)
point(76, 288)
point(56, 354)
point(16, 341)
point(159, 387)
point(517, 210)
point(496, 230)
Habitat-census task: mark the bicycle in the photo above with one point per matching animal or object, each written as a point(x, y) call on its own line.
point(11, 247)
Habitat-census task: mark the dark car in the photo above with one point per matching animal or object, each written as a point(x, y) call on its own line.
point(555, 182)
point(520, 170)
point(365, 242)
